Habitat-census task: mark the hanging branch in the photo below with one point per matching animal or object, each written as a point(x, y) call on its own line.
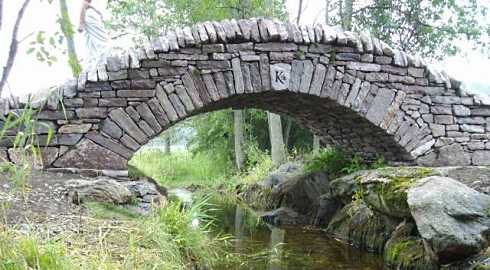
point(13, 45)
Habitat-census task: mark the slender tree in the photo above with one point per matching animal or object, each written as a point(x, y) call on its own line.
point(14, 44)
point(278, 151)
point(239, 141)
point(67, 30)
point(347, 14)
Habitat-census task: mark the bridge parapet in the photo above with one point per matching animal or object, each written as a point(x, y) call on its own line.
point(353, 90)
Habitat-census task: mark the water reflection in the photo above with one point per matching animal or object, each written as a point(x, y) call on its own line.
point(270, 248)
point(276, 246)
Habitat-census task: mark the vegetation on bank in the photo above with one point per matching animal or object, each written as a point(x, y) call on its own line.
point(164, 240)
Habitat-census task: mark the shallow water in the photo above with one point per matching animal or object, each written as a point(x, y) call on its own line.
point(270, 248)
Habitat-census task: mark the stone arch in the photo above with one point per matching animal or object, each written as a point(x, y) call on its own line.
point(351, 89)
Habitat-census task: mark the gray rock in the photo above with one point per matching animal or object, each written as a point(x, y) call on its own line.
point(101, 190)
point(82, 128)
point(481, 158)
point(122, 119)
point(451, 217)
point(88, 155)
point(283, 216)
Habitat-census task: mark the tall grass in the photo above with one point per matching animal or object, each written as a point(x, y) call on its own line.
point(181, 168)
point(164, 240)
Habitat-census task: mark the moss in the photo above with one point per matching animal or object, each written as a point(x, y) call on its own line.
point(407, 253)
point(481, 267)
point(392, 194)
point(488, 212)
point(258, 197)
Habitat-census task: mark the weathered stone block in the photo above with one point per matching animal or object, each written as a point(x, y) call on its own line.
point(276, 47)
point(212, 64)
point(122, 119)
point(232, 48)
point(444, 119)
point(84, 113)
point(74, 128)
point(118, 75)
point(136, 93)
point(473, 128)
point(481, 158)
point(111, 129)
point(347, 56)
point(213, 48)
point(364, 66)
point(88, 155)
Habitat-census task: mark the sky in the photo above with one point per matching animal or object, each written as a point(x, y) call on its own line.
point(29, 75)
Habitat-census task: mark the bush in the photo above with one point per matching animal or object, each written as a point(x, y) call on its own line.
point(336, 163)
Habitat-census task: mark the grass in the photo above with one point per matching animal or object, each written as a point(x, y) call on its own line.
point(181, 168)
point(163, 240)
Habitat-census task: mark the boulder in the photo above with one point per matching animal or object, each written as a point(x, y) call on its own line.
point(290, 187)
point(452, 218)
point(358, 224)
point(406, 251)
point(385, 190)
point(101, 190)
point(283, 216)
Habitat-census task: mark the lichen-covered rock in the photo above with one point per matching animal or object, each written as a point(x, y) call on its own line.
point(363, 227)
point(452, 218)
point(291, 187)
point(101, 190)
point(385, 190)
point(406, 251)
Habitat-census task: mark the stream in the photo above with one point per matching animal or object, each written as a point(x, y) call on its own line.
point(264, 247)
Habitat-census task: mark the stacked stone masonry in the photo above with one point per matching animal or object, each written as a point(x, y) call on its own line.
point(351, 89)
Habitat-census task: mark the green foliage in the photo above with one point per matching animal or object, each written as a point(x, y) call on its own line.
point(330, 160)
point(132, 15)
point(182, 168)
point(167, 239)
point(429, 28)
point(25, 252)
point(337, 163)
point(25, 143)
point(259, 165)
point(42, 46)
point(110, 211)
point(194, 243)
point(213, 135)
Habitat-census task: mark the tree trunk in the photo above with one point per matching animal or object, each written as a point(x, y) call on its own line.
point(67, 30)
point(278, 152)
point(300, 11)
point(166, 146)
point(287, 135)
point(14, 44)
point(347, 15)
point(316, 144)
point(239, 139)
point(327, 12)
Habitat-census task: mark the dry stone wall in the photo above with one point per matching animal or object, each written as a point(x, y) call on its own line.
point(351, 89)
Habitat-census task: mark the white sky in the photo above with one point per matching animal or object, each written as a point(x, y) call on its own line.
point(29, 75)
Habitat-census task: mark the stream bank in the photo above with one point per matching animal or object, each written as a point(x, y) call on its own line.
point(414, 217)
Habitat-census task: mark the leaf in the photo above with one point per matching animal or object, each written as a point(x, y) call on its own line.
point(30, 51)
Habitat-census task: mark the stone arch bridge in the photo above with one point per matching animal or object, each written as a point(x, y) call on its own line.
point(351, 89)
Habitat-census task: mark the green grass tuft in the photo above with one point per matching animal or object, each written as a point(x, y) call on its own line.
point(180, 168)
